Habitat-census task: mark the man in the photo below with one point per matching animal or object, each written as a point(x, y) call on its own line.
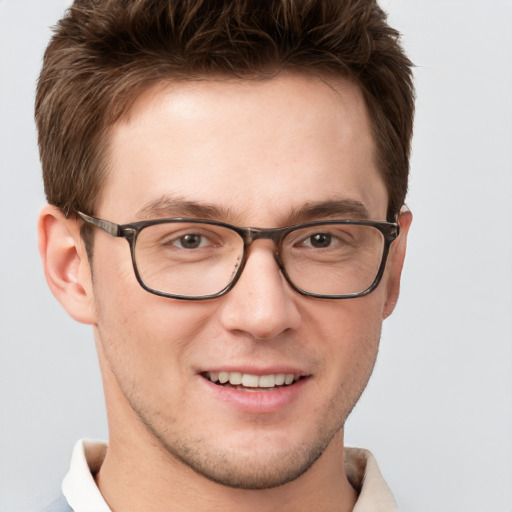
point(254, 157)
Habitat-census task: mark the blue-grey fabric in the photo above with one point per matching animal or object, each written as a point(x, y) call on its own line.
point(59, 505)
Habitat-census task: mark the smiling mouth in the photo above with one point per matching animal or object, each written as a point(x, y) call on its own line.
point(250, 382)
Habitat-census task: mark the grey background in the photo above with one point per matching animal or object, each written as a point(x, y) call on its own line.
point(438, 410)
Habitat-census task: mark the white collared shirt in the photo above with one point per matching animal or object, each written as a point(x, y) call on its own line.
point(78, 485)
point(83, 495)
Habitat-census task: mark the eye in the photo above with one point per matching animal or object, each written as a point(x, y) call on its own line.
point(191, 241)
point(319, 240)
point(179, 237)
point(323, 238)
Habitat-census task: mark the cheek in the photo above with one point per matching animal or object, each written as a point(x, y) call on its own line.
point(348, 323)
point(347, 337)
point(143, 337)
point(147, 330)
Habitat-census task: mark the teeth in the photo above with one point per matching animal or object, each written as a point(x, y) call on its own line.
point(280, 378)
point(267, 381)
point(252, 381)
point(235, 378)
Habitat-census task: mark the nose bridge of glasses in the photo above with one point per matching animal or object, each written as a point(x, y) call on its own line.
point(275, 235)
point(250, 235)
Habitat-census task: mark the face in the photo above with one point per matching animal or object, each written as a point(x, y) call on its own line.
point(253, 153)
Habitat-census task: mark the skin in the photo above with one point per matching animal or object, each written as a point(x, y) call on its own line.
point(257, 152)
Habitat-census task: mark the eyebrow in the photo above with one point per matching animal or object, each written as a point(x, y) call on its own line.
point(170, 206)
point(332, 209)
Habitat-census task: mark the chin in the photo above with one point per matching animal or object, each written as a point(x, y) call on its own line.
point(251, 472)
point(259, 465)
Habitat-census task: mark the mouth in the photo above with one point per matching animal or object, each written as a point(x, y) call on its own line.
point(250, 382)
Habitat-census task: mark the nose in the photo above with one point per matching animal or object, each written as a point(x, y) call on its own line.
point(262, 303)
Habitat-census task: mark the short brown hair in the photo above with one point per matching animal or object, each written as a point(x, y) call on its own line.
point(106, 52)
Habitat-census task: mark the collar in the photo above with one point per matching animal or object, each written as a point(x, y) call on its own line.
point(364, 475)
point(83, 495)
point(79, 486)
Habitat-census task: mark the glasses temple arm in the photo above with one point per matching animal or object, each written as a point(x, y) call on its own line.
point(109, 227)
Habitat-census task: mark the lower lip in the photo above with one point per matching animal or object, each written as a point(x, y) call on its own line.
point(257, 402)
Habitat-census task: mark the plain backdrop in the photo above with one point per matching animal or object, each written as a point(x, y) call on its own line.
point(438, 409)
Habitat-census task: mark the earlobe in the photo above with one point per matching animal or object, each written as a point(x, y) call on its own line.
point(65, 263)
point(396, 262)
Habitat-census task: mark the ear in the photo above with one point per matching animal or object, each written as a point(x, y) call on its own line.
point(65, 263)
point(396, 261)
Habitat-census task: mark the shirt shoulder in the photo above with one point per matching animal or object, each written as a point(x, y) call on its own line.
point(59, 505)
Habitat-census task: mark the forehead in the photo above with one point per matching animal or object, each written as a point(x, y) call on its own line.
point(257, 150)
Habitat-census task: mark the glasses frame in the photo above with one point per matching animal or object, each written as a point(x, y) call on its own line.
point(389, 230)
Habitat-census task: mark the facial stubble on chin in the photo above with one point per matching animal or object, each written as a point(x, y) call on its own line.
point(222, 467)
point(218, 466)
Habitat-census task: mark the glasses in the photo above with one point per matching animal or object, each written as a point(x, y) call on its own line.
point(195, 259)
